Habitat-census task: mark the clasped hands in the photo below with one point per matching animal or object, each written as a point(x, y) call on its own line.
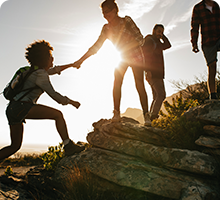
point(76, 64)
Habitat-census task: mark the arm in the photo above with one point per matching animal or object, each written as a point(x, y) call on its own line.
point(166, 43)
point(57, 69)
point(44, 83)
point(195, 23)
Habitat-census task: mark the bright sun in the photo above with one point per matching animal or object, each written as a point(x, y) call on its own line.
point(109, 55)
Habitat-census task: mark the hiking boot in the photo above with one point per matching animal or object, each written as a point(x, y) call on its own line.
point(147, 121)
point(72, 148)
point(116, 117)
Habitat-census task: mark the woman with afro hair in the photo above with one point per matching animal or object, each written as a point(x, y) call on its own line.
point(39, 56)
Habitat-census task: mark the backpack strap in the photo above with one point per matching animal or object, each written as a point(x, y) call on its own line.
point(155, 44)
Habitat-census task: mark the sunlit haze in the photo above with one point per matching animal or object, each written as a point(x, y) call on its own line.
point(71, 27)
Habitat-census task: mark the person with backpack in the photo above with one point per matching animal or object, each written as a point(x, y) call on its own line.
point(39, 56)
point(127, 38)
point(154, 67)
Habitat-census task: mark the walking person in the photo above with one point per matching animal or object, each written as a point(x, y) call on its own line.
point(206, 17)
point(126, 36)
point(39, 56)
point(154, 66)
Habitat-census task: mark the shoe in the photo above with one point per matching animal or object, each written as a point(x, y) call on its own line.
point(116, 117)
point(147, 121)
point(72, 148)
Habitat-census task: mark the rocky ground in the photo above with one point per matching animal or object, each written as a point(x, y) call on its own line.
point(132, 159)
point(28, 183)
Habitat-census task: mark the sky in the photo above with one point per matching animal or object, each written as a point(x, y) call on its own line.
point(71, 27)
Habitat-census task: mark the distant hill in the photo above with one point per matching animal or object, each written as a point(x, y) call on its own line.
point(134, 113)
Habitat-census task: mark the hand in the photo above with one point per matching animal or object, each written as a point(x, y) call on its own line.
point(76, 104)
point(77, 64)
point(195, 49)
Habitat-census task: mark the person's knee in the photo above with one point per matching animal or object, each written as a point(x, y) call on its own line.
point(58, 115)
point(15, 146)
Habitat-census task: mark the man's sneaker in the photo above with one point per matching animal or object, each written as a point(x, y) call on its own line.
point(147, 121)
point(72, 148)
point(116, 117)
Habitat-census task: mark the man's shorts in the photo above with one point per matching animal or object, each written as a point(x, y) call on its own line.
point(17, 111)
point(210, 52)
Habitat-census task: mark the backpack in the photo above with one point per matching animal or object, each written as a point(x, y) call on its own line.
point(16, 84)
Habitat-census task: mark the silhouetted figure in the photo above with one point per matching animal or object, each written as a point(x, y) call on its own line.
point(127, 38)
point(154, 66)
point(206, 17)
point(39, 55)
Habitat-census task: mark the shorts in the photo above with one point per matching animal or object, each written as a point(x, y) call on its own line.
point(17, 111)
point(210, 52)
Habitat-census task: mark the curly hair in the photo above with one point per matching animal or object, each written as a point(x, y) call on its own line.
point(110, 4)
point(38, 53)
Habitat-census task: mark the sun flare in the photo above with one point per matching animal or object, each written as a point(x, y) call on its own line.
point(109, 55)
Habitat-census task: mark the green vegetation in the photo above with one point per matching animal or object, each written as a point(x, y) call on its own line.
point(22, 160)
point(52, 157)
point(180, 132)
point(8, 171)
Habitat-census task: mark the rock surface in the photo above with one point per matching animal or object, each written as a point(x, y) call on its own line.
point(128, 154)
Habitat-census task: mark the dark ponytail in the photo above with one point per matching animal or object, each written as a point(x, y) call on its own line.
point(110, 4)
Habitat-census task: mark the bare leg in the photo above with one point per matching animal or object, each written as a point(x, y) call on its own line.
point(119, 75)
point(211, 78)
point(139, 81)
point(16, 132)
point(45, 112)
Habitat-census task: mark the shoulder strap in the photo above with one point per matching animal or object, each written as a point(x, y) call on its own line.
point(155, 44)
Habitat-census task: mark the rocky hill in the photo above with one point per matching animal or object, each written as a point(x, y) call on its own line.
point(129, 157)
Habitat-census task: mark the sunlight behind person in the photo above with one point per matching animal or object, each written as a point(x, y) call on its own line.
point(108, 55)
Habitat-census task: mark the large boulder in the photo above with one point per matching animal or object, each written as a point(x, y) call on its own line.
point(127, 154)
point(208, 113)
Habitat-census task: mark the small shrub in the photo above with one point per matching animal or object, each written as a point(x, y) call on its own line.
point(52, 157)
point(8, 171)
